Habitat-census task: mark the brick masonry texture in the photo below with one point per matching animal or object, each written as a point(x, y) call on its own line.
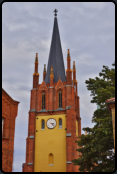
point(9, 113)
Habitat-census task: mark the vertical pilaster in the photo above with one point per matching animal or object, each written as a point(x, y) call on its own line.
point(73, 130)
point(33, 99)
point(51, 104)
point(69, 129)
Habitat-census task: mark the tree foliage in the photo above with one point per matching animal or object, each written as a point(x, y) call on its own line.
point(97, 146)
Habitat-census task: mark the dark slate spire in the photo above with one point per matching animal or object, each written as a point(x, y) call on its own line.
point(55, 56)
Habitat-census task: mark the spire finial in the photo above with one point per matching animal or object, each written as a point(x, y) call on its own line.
point(44, 67)
point(73, 64)
point(36, 58)
point(55, 12)
point(51, 72)
point(68, 53)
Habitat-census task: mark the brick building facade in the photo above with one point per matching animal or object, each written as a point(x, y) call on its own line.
point(56, 98)
point(9, 113)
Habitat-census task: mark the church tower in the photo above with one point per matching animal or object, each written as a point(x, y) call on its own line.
point(54, 116)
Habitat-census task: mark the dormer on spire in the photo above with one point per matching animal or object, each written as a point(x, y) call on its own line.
point(51, 76)
point(51, 72)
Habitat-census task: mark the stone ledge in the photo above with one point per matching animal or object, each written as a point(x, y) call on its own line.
point(68, 162)
point(44, 110)
point(68, 107)
point(32, 110)
point(68, 135)
point(4, 138)
point(51, 164)
point(30, 163)
point(69, 85)
point(31, 136)
point(59, 109)
point(33, 89)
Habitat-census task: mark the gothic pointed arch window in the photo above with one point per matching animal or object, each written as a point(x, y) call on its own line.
point(43, 124)
point(60, 99)
point(50, 159)
point(60, 123)
point(43, 100)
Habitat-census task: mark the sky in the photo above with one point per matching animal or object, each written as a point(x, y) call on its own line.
point(86, 28)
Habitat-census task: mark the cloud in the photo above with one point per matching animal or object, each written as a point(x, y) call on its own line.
point(86, 28)
point(86, 59)
point(94, 5)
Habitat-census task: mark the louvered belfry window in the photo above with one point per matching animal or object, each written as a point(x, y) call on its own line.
point(60, 99)
point(43, 100)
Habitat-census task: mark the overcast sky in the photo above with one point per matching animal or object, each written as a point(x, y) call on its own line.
point(86, 28)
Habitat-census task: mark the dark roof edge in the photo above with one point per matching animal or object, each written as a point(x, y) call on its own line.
point(9, 97)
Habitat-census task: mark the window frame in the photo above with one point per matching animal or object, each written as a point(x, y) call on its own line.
point(43, 100)
point(42, 124)
point(51, 164)
point(60, 99)
point(60, 125)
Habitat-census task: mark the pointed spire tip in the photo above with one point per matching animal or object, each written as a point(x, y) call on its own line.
point(68, 53)
point(74, 65)
point(44, 67)
point(55, 12)
point(36, 59)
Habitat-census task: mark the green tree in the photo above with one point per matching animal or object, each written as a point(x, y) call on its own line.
point(97, 147)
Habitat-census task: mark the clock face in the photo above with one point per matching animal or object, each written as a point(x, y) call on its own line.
point(51, 123)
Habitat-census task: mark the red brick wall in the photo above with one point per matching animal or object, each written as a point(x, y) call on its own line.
point(9, 113)
point(69, 98)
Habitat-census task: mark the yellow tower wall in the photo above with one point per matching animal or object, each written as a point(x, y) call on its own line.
point(50, 145)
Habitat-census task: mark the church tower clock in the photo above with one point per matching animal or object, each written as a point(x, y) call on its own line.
point(54, 116)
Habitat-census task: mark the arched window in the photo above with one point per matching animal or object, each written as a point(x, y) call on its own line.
point(60, 99)
point(50, 159)
point(60, 123)
point(43, 124)
point(43, 100)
